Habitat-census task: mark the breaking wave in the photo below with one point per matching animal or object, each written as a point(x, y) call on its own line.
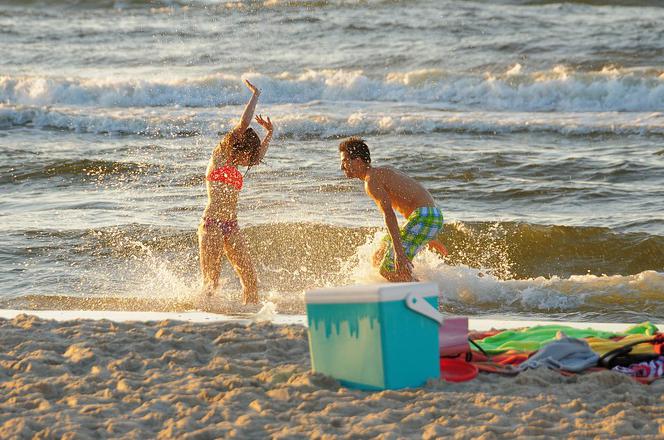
point(558, 89)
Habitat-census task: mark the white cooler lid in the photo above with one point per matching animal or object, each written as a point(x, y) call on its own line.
point(369, 293)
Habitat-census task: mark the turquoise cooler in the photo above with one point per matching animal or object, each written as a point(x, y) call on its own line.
point(375, 337)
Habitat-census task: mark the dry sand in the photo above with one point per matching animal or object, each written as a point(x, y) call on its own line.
point(103, 379)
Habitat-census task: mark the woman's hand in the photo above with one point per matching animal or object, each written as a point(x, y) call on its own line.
point(265, 123)
point(255, 90)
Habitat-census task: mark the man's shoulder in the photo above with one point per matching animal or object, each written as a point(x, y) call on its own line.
point(385, 175)
point(384, 169)
point(382, 172)
point(374, 181)
point(388, 174)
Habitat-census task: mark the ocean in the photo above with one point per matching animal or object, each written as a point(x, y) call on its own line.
point(538, 127)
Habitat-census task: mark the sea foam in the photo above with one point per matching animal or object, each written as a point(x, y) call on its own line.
point(311, 122)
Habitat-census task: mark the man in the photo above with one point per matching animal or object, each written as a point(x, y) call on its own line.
point(393, 190)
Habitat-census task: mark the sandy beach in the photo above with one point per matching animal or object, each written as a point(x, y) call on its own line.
point(169, 379)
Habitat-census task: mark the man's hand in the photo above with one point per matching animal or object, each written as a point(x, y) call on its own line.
point(403, 265)
point(255, 90)
point(265, 123)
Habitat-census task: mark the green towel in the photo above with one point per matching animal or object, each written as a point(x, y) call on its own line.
point(533, 338)
point(645, 329)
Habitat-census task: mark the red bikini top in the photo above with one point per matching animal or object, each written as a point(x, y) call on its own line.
point(227, 174)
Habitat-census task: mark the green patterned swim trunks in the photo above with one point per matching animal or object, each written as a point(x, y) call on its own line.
point(423, 225)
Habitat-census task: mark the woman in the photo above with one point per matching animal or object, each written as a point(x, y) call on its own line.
point(219, 233)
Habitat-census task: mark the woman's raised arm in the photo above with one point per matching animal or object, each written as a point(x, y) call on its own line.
point(248, 113)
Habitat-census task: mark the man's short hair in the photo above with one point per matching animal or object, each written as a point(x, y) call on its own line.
point(355, 147)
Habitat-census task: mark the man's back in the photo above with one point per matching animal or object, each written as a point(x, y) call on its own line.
point(406, 194)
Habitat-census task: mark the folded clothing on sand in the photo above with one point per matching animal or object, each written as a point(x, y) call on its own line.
point(565, 353)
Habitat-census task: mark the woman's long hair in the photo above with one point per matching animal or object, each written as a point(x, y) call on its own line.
point(248, 143)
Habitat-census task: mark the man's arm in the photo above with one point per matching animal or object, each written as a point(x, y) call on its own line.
point(382, 199)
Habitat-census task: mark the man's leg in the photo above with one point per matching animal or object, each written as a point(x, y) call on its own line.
point(387, 265)
point(421, 229)
point(439, 247)
point(380, 253)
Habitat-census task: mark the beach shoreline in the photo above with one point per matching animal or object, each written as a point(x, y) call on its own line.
point(97, 378)
point(483, 323)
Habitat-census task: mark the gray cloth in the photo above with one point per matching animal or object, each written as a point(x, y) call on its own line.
point(563, 354)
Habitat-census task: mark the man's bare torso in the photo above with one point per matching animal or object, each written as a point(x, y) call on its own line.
point(405, 193)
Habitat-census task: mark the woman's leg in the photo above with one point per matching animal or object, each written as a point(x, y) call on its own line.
point(211, 249)
point(237, 253)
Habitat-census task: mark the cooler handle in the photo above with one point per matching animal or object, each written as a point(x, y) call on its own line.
point(417, 303)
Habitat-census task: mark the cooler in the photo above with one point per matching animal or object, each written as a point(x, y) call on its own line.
point(375, 337)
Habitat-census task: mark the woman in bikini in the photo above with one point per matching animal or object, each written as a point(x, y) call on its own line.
point(219, 233)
